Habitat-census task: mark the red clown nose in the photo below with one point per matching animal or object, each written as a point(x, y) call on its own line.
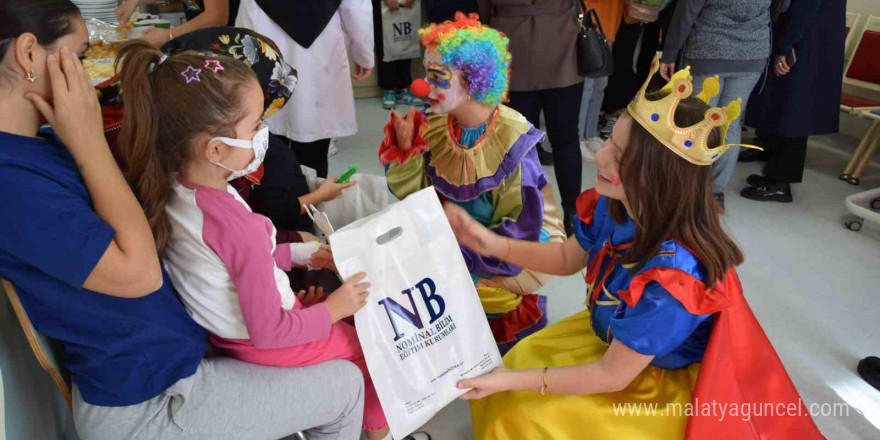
point(420, 88)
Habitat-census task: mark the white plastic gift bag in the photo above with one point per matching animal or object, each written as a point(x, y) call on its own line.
point(423, 328)
point(400, 36)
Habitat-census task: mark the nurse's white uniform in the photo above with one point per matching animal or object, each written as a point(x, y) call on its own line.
point(322, 105)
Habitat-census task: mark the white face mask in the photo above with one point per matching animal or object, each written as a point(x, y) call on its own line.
point(259, 144)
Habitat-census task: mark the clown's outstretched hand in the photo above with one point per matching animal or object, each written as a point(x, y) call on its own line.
point(403, 137)
point(404, 128)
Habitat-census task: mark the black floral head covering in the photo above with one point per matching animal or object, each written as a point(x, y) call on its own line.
point(277, 78)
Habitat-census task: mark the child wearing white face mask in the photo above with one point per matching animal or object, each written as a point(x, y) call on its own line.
point(193, 122)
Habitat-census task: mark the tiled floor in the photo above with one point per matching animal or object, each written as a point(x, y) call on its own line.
point(813, 284)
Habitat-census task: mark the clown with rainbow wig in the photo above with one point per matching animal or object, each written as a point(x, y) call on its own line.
point(480, 155)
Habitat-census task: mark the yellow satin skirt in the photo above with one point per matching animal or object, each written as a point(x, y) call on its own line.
point(524, 415)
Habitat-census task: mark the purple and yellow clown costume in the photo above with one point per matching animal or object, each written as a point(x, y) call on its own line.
point(491, 170)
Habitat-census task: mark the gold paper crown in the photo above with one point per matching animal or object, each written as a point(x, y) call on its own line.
point(688, 142)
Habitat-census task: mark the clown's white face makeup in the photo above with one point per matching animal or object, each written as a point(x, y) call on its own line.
point(448, 89)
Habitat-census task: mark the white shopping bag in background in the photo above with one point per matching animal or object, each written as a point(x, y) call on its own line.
point(400, 36)
point(369, 196)
point(423, 328)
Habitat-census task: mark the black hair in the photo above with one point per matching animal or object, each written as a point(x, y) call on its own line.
point(48, 20)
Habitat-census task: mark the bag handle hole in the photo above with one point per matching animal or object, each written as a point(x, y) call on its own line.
point(389, 236)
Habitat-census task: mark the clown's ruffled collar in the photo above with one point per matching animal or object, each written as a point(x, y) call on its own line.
point(465, 173)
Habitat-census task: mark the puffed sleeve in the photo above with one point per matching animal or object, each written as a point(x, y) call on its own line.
point(657, 325)
point(592, 210)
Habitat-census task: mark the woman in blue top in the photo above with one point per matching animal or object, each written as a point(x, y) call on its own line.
point(76, 245)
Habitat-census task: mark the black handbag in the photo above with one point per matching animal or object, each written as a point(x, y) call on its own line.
point(594, 58)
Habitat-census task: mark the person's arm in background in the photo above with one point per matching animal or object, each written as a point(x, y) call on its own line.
point(127, 8)
point(283, 192)
point(790, 29)
point(682, 23)
point(357, 22)
point(216, 13)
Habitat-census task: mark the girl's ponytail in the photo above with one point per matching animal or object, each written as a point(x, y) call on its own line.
point(169, 102)
point(139, 136)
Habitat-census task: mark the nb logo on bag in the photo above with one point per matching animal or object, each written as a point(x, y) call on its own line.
point(433, 302)
point(402, 29)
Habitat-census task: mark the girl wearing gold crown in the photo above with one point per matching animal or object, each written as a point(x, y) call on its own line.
point(667, 328)
point(480, 154)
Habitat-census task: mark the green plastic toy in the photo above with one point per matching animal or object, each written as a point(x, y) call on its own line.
point(346, 176)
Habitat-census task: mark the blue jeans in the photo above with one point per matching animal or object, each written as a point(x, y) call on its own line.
point(591, 105)
point(733, 86)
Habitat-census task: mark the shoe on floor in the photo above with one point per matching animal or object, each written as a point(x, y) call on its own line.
point(589, 148)
point(719, 198)
point(404, 97)
point(586, 155)
point(606, 123)
point(332, 150)
point(756, 180)
point(869, 369)
point(418, 436)
point(389, 99)
point(545, 157)
point(768, 193)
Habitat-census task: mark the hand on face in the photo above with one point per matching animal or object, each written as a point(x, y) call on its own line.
point(62, 91)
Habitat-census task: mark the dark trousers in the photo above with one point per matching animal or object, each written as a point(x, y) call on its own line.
point(310, 154)
point(788, 156)
point(561, 109)
point(395, 75)
point(438, 11)
point(625, 81)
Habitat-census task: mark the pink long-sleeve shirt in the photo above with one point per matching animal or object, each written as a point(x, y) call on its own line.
point(223, 261)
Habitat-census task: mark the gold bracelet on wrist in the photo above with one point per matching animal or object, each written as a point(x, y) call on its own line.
point(170, 34)
point(544, 382)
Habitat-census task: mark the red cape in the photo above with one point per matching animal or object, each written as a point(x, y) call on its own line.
point(739, 368)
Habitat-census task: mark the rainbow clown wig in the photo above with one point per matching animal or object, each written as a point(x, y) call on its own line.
point(479, 51)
